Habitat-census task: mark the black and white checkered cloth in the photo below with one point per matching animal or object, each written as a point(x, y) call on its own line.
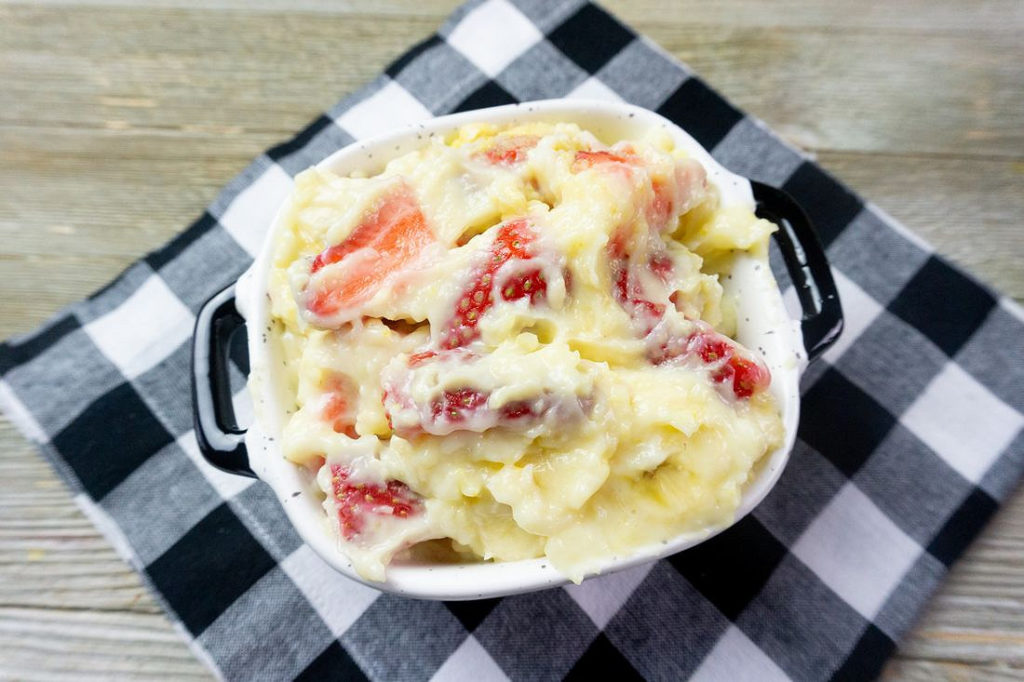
point(911, 430)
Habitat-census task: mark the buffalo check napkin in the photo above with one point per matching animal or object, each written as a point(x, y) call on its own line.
point(911, 431)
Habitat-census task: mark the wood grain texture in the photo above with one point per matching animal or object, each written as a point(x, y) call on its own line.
point(119, 121)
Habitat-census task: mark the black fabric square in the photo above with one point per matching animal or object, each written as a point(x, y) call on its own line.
point(868, 657)
point(300, 141)
point(701, 112)
point(471, 613)
point(591, 37)
point(945, 305)
point(731, 568)
point(602, 660)
point(161, 257)
point(210, 567)
point(15, 353)
point(110, 439)
point(333, 664)
point(962, 527)
point(399, 64)
point(829, 205)
point(842, 422)
point(490, 94)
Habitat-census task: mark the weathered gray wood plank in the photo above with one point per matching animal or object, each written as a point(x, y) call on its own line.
point(823, 86)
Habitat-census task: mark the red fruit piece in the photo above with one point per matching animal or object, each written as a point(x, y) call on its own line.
point(456, 406)
point(529, 284)
point(628, 290)
point(338, 409)
point(395, 234)
point(661, 265)
point(588, 159)
point(417, 359)
point(517, 410)
point(509, 150)
point(356, 501)
point(512, 242)
point(747, 377)
point(712, 348)
point(660, 208)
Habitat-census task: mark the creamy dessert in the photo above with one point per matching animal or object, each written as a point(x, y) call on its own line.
point(513, 343)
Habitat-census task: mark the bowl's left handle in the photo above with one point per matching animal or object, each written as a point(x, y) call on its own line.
point(221, 441)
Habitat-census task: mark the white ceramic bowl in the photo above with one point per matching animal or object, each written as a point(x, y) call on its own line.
point(762, 323)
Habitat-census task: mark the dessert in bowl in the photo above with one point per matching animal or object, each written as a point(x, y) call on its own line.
point(510, 348)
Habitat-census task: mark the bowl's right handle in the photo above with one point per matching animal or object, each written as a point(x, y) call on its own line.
point(221, 441)
point(807, 264)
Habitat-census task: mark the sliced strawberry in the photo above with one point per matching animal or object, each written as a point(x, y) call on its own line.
point(529, 285)
point(417, 359)
point(462, 409)
point(661, 265)
point(588, 159)
point(356, 501)
point(746, 376)
point(660, 209)
point(456, 406)
point(628, 290)
point(338, 409)
point(711, 347)
point(509, 150)
point(512, 242)
point(518, 410)
point(388, 240)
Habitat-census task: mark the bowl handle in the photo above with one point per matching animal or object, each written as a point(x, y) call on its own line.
point(221, 441)
point(805, 259)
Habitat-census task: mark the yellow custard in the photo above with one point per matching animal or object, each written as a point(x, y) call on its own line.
point(514, 341)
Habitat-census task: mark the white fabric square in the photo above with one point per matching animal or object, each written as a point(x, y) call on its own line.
point(469, 663)
point(247, 219)
point(857, 551)
point(594, 89)
point(603, 596)
point(227, 485)
point(963, 422)
point(241, 403)
point(859, 311)
point(338, 600)
point(143, 330)
point(736, 659)
point(493, 35)
point(388, 109)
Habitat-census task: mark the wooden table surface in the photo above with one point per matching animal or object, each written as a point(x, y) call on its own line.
point(119, 121)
